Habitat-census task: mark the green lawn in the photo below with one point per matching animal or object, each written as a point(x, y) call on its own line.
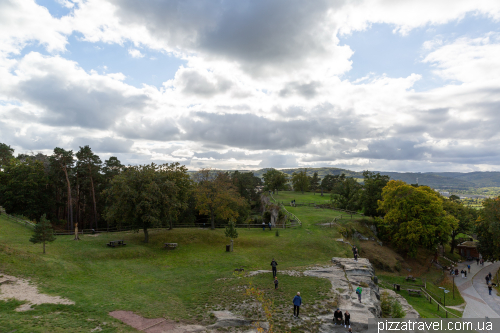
point(151, 281)
point(307, 197)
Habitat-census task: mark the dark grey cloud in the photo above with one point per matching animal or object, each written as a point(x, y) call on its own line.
point(254, 132)
point(193, 83)
point(306, 90)
point(150, 129)
point(103, 145)
point(70, 104)
point(256, 33)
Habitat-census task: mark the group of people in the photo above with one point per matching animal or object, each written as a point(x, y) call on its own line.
point(264, 226)
point(345, 320)
point(480, 261)
point(297, 300)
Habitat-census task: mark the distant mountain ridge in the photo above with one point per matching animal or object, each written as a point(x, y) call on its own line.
point(438, 180)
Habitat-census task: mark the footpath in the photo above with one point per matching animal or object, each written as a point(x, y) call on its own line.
point(475, 291)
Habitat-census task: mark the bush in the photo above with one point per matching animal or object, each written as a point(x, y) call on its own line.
point(390, 307)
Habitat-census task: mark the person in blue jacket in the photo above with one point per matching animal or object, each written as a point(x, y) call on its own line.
point(297, 301)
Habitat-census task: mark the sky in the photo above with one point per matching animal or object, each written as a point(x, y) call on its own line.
point(411, 86)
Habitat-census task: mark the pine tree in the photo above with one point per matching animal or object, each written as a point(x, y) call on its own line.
point(231, 232)
point(43, 233)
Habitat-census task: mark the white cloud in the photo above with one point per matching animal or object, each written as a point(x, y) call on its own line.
point(135, 53)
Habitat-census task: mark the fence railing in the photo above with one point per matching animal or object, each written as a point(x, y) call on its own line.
point(439, 306)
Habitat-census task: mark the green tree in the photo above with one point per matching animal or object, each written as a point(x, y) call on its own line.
point(216, 196)
point(300, 181)
point(6, 154)
point(274, 180)
point(23, 189)
point(372, 192)
point(246, 183)
point(464, 215)
point(43, 233)
point(231, 232)
point(146, 196)
point(89, 166)
point(414, 217)
point(488, 229)
point(329, 181)
point(314, 182)
point(346, 194)
point(63, 160)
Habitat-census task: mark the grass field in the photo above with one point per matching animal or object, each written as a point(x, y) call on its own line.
point(154, 282)
point(183, 284)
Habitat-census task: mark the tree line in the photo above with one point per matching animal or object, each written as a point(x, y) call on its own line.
point(77, 187)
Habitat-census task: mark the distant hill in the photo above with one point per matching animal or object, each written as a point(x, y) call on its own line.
point(437, 180)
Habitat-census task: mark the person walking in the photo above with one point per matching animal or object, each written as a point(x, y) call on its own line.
point(490, 287)
point(337, 317)
point(359, 290)
point(273, 265)
point(468, 268)
point(456, 271)
point(356, 256)
point(489, 274)
point(263, 226)
point(477, 261)
point(465, 273)
point(487, 278)
point(297, 302)
point(275, 282)
point(269, 226)
point(347, 319)
point(462, 272)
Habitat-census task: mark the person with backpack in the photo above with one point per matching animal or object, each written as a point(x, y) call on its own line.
point(490, 287)
point(468, 268)
point(273, 265)
point(359, 290)
point(337, 317)
point(347, 319)
point(297, 302)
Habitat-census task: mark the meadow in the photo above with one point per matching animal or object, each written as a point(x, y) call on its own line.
point(181, 284)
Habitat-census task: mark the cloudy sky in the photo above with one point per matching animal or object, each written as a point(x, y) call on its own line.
point(389, 85)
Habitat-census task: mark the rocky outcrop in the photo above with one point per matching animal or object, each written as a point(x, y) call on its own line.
point(346, 275)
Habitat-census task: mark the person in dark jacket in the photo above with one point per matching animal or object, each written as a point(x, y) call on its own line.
point(275, 283)
point(273, 265)
point(297, 302)
point(487, 278)
point(347, 319)
point(269, 224)
point(490, 288)
point(337, 317)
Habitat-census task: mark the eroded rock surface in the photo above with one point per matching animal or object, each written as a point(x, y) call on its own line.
point(346, 275)
point(410, 311)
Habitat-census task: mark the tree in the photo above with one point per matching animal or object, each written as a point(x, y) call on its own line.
point(43, 233)
point(144, 196)
point(414, 217)
point(23, 189)
point(216, 196)
point(314, 182)
point(488, 229)
point(63, 160)
point(89, 166)
point(6, 154)
point(274, 180)
point(346, 194)
point(328, 182)
point(231, 232)
point(464, 215)
point(300, 181)
point(246, 183)
point(372, 192)
point(111, 168)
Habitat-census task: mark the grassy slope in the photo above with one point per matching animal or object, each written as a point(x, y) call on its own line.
point(151, 281)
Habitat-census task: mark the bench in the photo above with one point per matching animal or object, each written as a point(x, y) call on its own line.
point(170, 246)
point(414, 292)
point(116, 243)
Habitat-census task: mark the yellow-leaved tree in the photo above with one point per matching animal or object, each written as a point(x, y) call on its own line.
point(414, 217)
